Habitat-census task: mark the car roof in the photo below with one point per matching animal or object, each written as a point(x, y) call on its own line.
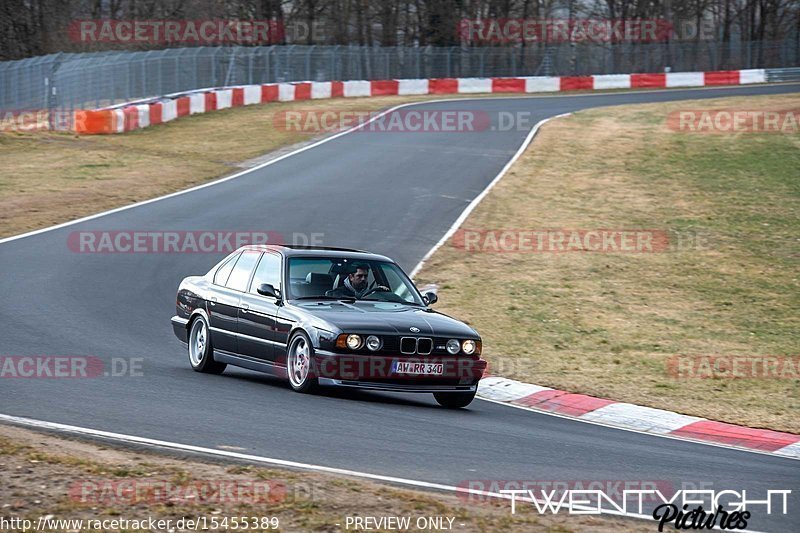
point(293, 250)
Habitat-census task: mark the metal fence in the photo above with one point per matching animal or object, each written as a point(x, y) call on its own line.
point(69, 81)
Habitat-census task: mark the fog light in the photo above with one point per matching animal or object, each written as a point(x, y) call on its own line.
point(468, 347)
point(453, 347)
point(373, 343)
point(354, 342)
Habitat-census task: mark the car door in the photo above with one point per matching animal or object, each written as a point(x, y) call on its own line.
point(222, 305)
point(224, 311)
point(256, 325)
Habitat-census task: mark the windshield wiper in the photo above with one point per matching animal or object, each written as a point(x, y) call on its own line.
point(389, 301)
point(337, 298)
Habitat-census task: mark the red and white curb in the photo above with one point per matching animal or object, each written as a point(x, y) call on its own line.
point(148, 112)
point(636, 418)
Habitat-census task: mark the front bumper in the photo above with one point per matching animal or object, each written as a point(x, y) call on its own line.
point(375, 372)
point(395, 387)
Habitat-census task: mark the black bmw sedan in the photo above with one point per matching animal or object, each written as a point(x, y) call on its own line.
point(322, 316)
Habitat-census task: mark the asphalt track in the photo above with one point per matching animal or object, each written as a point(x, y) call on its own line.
point(392, 193)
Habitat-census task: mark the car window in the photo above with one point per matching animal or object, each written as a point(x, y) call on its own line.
point(268, 271)
point(396, 282)
point(223, 272)
point(241, 272)
point(318, 277)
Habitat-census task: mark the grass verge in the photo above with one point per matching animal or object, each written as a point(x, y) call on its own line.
point(608, 324)
point(49, 178)
point(64, 479)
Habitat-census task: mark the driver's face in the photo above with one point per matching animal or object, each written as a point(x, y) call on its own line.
point(359, 279)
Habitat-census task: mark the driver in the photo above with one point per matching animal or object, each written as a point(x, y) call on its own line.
point(355, 284)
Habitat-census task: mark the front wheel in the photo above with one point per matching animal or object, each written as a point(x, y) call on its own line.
point(454, 400)
point(201, 352)
point(299, 363)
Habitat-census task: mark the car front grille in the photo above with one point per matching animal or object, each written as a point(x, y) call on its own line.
point(414, 345)
point(408, 345)
point(424, 346)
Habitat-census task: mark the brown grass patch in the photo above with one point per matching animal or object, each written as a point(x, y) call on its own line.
point(606, 324)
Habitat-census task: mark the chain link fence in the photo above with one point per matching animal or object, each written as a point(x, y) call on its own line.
point(69, 81)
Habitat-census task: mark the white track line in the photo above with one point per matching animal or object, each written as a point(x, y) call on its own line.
point(211, 183)
point(359, 126)
point(422, 484)
point(154, 443)
point(474, 203)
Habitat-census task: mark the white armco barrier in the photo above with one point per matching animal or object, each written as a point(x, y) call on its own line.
point(144, 115)
point(475, 85)
point(197, 103)
point(612, 81)
point(357, 88)
point(542, 84)
point(321, 89)
point(169, 110)
point(224, 98)
point(285, 92)
point(685, 79)
point(252, 94)
point(758, 75)
point(412, 86)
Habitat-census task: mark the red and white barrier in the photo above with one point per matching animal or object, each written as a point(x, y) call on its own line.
point(636, 417)
point(138, 115)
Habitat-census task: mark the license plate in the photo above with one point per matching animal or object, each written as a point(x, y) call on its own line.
point(433, 369)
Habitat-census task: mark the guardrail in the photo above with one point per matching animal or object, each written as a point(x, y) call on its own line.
point(776, 75)
point(93, 80)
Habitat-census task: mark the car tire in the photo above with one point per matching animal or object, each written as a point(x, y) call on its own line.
point(454, 400)
point(300, 363)
point(201, 351)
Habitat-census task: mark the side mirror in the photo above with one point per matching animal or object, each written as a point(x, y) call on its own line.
point(265, 289)
point(430, 298)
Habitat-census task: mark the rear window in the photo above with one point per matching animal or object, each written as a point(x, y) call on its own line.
point(223, 272)
point(241, 272)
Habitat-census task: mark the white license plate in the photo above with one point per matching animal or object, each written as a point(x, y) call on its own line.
point(433, 369)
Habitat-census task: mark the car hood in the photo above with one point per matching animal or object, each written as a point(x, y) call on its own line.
point(387, 318)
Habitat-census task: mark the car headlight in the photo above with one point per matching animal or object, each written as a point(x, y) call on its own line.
point(453, 346)
point(373, 343)
point(468, 346)
point(353, 342)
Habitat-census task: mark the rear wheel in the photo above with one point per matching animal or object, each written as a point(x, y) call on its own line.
point(454, 400)
point(201, 352)
point(299, 363)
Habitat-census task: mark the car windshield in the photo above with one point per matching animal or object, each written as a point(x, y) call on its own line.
point(349, 279)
